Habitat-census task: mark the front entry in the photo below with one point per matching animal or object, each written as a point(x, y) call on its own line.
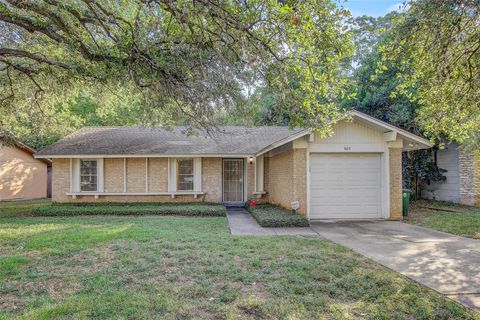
point(233, 177)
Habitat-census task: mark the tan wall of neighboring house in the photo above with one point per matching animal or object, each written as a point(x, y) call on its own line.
point(21, 175)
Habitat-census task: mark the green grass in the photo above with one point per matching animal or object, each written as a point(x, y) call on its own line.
point(465, 221)
point(272, 216)
point(185, 209)
point(15, 208)
point(175, 267)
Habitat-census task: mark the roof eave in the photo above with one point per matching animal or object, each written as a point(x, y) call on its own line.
point(414, 141)
point(284, 141)
point(85, 156)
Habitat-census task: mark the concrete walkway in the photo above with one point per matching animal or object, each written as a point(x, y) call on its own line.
point(446, 263)
point(242, 224)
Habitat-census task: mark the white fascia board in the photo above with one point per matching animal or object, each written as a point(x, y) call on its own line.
point(83, 156)
point(423, 143)
point(283, 141)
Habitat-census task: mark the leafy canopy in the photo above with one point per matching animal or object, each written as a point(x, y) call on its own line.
point(436, 48)
point(168, 59)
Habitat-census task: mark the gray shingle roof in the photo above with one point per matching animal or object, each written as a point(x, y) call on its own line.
point(160, 141)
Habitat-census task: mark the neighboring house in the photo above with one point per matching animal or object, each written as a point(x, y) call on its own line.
point(21, 175)
point(354, 174)
point(462, 184)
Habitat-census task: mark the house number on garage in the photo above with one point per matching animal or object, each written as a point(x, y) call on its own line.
point(347, 148)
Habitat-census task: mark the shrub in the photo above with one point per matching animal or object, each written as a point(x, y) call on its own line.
point(268, 215)
point(183, 209)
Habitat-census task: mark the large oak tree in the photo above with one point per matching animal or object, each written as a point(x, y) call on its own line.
point(169, 59)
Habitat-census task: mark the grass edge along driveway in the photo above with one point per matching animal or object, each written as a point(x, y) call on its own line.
point(447, 217)
point(146, 267)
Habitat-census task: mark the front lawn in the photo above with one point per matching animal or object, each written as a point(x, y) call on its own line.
point(268, 215)
point(456, 219)
point(172, 267)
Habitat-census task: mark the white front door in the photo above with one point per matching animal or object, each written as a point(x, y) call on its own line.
point(345, 186)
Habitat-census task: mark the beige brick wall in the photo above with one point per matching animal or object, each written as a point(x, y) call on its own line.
point(396, 186)
point(287, 178)
point(136, 175)
point(113, 175)
point(212, 179)
point(136, 181)
point(157, 174)
point(60, 179)
point(300, 178)
point(280, 176)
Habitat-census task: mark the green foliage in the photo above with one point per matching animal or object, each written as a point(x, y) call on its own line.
point(367, 32)
point(268, 215)
point(65, 64)
point(375, 93)
point(183, 209)
point(435, 46)
point(421, 167)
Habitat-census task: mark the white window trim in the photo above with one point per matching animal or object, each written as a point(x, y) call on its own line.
point(197, 174)
point(75, 176)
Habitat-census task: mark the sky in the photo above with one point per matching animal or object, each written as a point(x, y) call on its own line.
point(374, 8)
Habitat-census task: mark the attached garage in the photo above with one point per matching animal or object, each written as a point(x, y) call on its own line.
point(353, 174)
point(345, 186)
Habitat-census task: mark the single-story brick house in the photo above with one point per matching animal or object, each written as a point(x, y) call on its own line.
point(22, 177)
point(354, 174)
point(462, 184)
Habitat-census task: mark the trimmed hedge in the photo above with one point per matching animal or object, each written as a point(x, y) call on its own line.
point(182, 209)
point(268, 215)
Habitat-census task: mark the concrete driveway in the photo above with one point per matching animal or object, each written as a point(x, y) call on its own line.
point(446, 263)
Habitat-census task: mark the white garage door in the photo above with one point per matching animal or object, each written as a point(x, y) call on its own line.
point(345, 186)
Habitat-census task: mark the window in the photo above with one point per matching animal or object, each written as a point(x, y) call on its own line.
point(88, 175)
point(185, 175)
